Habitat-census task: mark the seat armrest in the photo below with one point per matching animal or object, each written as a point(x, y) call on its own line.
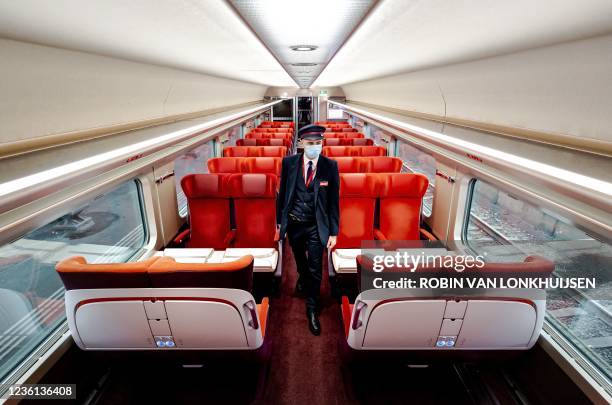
point(277, 234)
point(262, 313)
point(346, 314)
point(378, 235)
point(229, 238)
point(426, 235)
point(181, 238)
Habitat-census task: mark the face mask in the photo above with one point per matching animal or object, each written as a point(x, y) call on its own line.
point(312, 151)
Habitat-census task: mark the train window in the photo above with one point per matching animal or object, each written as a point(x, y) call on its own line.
point(505, 228)
point(233, 134)
point(193, 161)
point(110, 228)
point(417, 161)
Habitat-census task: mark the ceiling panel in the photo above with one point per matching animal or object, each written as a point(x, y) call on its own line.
point(407, 35)
point(281, 24)
point(203, 36)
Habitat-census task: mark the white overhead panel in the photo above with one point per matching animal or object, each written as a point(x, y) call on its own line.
point(303, 35)
point(202, 36)
point(407, 35)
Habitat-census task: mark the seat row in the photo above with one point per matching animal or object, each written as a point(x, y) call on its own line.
point(270, 165)
point(255, 151)
point(159, 303)
point(379, 164)
point(348, 142)
point(269, 135)
point(264, 142)
point(323, 123)
point(273, 130)
point(230, 210)
point(276, 124)
point(343, 135)
point(337, 151)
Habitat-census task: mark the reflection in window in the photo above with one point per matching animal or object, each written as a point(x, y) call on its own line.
point(417, 161)
point(193, 161)
point(509, 229)
point(108, 229)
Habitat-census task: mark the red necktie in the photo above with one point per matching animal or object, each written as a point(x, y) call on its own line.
point(309, 173)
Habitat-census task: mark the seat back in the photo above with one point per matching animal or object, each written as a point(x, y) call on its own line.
point(401, 197)
point(165, 317)
point(353, 135)
point(273, 151)
point(349, 129)
point(240, 151)
point(251, 142)
point(482, 319)
point(358, 141)
point(77, 274)
point(225, 165)
point(263, 165)
point(381, 164)
point(358, 192)
point(336, 151)
point(255, 209)
point(347, 164)
point(332, 142)
point(256, 135)
point(209, 209)
point(368, 151)
point(167, 273)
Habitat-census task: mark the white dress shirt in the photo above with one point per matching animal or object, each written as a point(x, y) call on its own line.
point(314, 167)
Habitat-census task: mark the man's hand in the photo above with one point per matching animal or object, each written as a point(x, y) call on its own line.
point(331, 242)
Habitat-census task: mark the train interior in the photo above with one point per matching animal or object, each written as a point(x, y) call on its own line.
point(141, 148)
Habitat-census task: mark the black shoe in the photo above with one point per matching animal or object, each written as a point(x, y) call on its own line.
point(313, 322)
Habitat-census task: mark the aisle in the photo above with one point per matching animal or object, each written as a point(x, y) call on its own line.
point(304, 368)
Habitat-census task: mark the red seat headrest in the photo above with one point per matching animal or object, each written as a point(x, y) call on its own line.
point(359, 185)
point(407, 185)
point(253, 185)
point(225, 165)
point(207, 185)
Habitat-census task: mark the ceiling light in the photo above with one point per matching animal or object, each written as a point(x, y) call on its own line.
point(303, 64)
point(303, 48)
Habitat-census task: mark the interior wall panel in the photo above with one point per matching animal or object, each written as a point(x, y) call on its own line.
point(49, 91)
point(563, 89)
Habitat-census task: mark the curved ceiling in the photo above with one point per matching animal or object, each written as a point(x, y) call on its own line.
point(203, 36)
point(282, 24)
point(406, 35)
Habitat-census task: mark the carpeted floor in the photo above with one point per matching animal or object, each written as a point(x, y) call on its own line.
point(303, 368)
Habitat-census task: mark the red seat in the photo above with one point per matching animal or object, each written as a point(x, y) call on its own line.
point(484, 319)
point(167, 273)
point(336, 151)
point(358, 141)
point(251, 142)
point(401, 197)
point(254, 198)
point(349, 129)
point(332, 141)
point(358, 192)
point(263, 165)
point(209, 210)
point(225, 165)
point(241, 151)
point(256, 135)
point(163, 304)
point(333, 135)
point(272, 151)
point(352, 135)
point(368, 151)
point(77, 274)
point(381, 164)
point(347, 164)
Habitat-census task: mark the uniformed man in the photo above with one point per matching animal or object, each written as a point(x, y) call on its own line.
point(307, 211)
